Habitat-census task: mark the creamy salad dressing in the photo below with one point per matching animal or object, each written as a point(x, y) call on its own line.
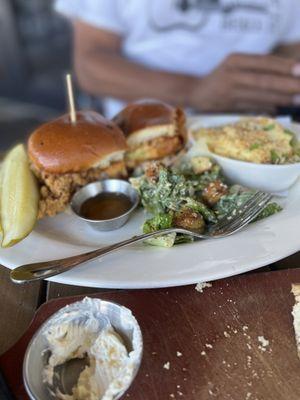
point(80, 332)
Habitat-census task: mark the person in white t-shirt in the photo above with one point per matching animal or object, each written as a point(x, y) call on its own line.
point(210, 55)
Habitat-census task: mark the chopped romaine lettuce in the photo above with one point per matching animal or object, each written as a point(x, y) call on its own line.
point(208, 214)
point(200, 181)
point(173, 197)
point(181, 239)
point(167, 192)
point(236, 198)
point(163, 240)
point(270, 209)
point(159, 221)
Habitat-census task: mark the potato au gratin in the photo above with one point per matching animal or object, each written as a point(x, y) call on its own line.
point(258, 140)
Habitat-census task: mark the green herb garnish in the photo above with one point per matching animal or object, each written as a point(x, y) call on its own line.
point(275, 158)
point(288, 132)
point(254, 146)
point(269, 127)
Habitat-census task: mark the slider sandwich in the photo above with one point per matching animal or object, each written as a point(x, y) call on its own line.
point(153, 130)
point(65, 156)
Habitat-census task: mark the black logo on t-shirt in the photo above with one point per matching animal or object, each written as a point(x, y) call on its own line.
point(217, 5)
point(194, 15)
point(186, 5)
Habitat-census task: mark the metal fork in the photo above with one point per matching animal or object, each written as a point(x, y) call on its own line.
point(228, 225)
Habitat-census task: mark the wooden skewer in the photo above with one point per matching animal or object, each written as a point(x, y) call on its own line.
point(71, 99)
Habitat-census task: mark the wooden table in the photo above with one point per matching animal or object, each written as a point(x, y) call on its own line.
point(247, 306)
point(19, 303)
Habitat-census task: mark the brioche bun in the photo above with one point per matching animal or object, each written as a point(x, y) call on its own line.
point(153, 130)
point(59, 146)
point(137, 116)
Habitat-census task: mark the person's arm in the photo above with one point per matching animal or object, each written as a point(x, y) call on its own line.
point(241, 83)
point(288, 50)
point(101, 69)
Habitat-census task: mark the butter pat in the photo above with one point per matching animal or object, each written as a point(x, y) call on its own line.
point(79, 332)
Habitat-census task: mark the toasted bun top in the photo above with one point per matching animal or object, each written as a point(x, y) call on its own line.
point(137, 116)
point(60, 146)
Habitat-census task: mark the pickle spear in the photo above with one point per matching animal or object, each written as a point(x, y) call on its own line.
point(1, 230)
point(19, 197)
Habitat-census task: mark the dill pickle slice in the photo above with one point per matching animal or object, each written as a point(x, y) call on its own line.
point(19, 197)
point(1, 230)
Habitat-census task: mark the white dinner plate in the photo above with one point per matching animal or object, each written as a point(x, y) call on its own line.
point(142, 266)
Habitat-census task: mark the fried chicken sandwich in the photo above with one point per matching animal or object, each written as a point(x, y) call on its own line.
point(65, 156)
point(153, 130)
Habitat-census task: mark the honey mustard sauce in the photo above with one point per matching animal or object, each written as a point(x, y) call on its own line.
point(105, 206)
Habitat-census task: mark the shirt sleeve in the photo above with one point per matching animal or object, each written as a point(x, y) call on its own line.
point(291, 33)
point(104, 14)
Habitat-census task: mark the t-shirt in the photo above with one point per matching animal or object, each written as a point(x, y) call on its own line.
point(189, 36)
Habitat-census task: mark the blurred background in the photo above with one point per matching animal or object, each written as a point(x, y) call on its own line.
point(35, 54)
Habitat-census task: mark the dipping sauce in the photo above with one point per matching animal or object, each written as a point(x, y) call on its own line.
point(106, 205)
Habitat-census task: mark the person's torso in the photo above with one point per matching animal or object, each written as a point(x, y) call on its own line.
point(194, 36)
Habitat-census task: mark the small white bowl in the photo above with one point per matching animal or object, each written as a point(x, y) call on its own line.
point(266, 177)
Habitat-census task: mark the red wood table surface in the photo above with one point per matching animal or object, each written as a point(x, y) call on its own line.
point(19, 303)
point(217, 332)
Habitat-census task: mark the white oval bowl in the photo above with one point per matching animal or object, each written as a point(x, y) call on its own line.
point(266, 177)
